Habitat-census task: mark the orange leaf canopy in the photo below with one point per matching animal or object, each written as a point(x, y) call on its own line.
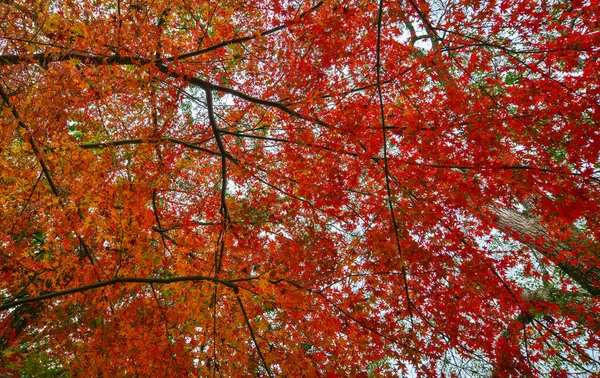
point(298, 188)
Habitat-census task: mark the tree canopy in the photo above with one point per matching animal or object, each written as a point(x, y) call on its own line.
point(299, 188)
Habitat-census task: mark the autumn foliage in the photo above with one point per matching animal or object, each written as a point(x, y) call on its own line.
point(299, 188)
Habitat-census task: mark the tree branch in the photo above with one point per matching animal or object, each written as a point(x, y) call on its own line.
point(123, 142)
point(273, 139)
point(269, 372)
point(244, 39)
point(31, 141)
point(114, 281)
point(120, 60)
point(45, 58)
point(385, 161)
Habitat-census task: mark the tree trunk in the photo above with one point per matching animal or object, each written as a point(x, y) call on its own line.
point(585, 270)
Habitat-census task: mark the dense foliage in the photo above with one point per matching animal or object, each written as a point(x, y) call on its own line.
point(296, 188)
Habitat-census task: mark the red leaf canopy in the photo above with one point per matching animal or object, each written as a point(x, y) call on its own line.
point(295, 188)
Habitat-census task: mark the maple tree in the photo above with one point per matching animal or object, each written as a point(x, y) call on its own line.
point(297, 188)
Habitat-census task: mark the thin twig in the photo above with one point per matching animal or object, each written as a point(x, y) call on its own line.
point(12, 228)
point(166, 322)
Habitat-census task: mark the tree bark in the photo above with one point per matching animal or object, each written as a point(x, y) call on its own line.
point(585, 270)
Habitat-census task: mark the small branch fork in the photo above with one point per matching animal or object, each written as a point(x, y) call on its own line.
point(159, 228)
point(226, 219)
